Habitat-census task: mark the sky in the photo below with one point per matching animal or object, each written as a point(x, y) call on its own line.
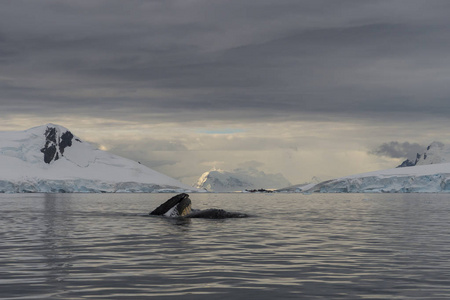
point(323, 88)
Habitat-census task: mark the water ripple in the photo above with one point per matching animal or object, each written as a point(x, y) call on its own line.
point(296, 246)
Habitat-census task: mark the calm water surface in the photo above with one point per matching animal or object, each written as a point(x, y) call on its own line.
point(105, 246)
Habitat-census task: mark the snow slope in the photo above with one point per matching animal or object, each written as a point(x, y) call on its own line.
point(436, 153)
point(50, 158)
point(432, 178)
point(239, 180)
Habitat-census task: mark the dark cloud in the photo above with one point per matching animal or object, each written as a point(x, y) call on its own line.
point(235, 60)
point(396, 149)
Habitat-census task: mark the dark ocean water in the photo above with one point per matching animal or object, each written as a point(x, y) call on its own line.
point(339, 246)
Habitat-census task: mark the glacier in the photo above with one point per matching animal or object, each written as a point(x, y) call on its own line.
point(432, 178)
point(428, 173)
point(50, 159)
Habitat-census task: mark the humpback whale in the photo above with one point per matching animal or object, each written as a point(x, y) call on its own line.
point(179, 206)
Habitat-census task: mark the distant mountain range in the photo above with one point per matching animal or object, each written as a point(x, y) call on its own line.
point(240, 180)
point(51, 159)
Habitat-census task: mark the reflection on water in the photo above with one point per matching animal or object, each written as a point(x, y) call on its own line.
point(56, 239)
point(74, 246)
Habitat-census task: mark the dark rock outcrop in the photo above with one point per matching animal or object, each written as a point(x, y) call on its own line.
point(65, 141)
point(49, 153)
point(407, 163)
point(54, 145)
point(410, 163)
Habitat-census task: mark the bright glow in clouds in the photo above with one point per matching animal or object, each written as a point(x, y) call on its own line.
point(298, 150)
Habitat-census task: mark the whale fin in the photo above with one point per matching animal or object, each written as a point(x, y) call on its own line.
point(177, 206)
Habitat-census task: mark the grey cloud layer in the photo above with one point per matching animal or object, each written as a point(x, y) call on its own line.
point(262, 59)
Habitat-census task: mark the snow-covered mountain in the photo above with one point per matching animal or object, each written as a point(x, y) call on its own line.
point(239, 180)
point(432, 178)
point(51, 159)
point(429, 173)
point(436, 153)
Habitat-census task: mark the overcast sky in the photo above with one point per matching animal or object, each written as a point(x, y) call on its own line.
point(321, 88)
